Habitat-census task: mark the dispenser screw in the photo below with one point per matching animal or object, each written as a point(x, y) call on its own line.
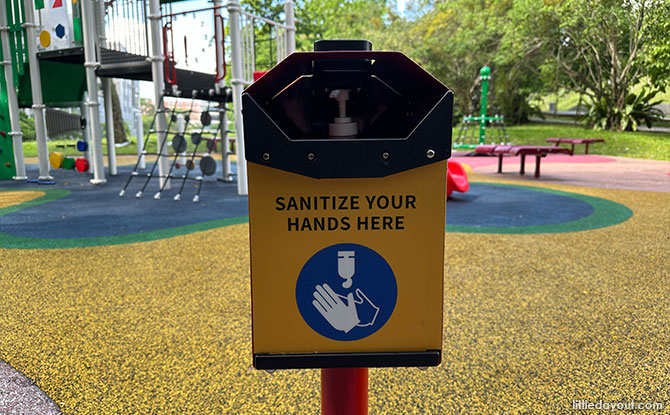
point(311, 156)
point(430, 154)
point(266, 156)
point(386, 155)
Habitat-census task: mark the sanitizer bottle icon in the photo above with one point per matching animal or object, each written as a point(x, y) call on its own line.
point(346, 267)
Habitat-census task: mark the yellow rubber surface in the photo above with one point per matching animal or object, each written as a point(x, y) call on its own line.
point(14, 198)
point(532, 322)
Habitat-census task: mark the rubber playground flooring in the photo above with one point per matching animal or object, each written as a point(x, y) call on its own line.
point(553, 293)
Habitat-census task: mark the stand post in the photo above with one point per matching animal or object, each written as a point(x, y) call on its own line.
point(344, 391)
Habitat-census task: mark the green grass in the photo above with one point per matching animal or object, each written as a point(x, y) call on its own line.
point(30, 147)
point(643, 145)
point(567, 100)
point(564, 101)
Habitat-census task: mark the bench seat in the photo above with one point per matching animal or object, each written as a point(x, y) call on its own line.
point(573, 141)
point(521, 151)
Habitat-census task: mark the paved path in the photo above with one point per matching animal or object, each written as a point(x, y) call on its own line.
point(582, 170)
point(20, 396)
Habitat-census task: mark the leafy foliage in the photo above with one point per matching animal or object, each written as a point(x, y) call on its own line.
point(598, 48)
point(27, 126)
point(323, 19)
point(601, 49)
point(639, 109)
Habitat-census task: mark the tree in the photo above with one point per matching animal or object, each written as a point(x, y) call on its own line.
point(119, 130)
point(27, 126)
point(600, 50)
point(458, 37)
point(323, 19)
point(657, 55)
point(147, 107)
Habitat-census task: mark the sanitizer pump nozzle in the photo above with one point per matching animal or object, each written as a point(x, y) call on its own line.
point(342, 125)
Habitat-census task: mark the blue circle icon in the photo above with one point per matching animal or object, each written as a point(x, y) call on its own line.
point(346, 292)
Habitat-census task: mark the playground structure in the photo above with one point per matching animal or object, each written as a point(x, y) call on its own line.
point(468, 136)
point(54, 51)
point(457, 178)
point(179, 144)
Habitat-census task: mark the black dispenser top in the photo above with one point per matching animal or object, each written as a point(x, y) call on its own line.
point(396, 108)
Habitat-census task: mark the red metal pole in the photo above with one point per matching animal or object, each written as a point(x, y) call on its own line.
point(344, 391)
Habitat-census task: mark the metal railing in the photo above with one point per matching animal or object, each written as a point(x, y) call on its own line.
point(272, 32)
point(125, 30)
point(184, 34)
point(59, 122)
point(17, 38)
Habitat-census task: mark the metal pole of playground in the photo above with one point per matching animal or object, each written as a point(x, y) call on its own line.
point(485, 73)
point(109, 124)
point(12, 101)
point(107, 94)
point(139, 126)
point(237, 81)
point(219, 28)
point(344, 391)
point(158, 77)
point(290, 27)
point(226, 174)
point(87, 127)
point(92, 104)
point(36, 86)
point(219, 35)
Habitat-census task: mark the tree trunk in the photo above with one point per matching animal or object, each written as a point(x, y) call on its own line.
point(119, 130)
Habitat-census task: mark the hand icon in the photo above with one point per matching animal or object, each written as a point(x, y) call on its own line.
point(367, 310)
point(342, 317)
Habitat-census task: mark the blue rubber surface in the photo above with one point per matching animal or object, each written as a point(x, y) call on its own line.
point(91, 211)
point(98, 211)
point(488, 205)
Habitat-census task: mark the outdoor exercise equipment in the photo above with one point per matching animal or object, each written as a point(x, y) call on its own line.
point(469, 137)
